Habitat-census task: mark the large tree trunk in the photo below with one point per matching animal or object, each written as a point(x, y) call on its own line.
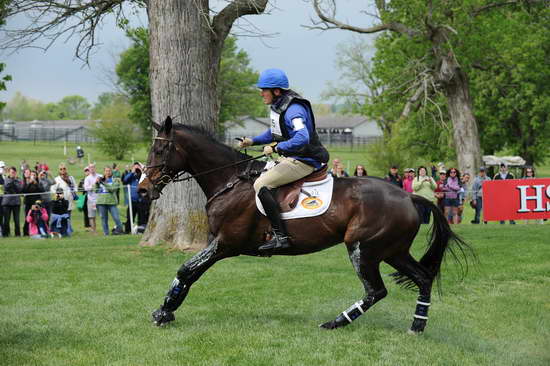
point(184, 66)
point(459, 103)
point(185, 50)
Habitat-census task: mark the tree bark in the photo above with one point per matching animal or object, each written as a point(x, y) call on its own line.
point(459, 103)
point(183, 73)
point(185, 50)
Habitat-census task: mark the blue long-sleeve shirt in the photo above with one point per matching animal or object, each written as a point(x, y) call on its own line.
point(132, 179)
point(299, 133)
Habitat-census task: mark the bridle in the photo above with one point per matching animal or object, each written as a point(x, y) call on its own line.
point(168, 175)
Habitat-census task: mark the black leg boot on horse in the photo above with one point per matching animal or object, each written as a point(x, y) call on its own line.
point(279, 236)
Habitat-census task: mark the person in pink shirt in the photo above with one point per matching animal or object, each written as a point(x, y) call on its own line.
point(451, 188)
point(37, 218)
point(408, 180)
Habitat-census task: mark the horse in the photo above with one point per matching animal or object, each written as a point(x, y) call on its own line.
point(376, 220)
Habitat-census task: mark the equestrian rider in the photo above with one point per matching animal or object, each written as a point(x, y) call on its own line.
point(297, 142)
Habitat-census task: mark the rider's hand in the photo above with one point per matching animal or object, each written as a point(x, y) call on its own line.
point(268, 150)
point(245, 142)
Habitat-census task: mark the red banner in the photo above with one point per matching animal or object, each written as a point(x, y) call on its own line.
point(516, 199)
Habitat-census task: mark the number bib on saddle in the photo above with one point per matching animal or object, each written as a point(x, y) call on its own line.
point(314, 203)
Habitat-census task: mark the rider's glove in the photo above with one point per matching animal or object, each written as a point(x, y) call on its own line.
point(245, 142)
point(268, 150)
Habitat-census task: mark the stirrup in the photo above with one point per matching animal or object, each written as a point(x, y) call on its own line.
point(277, 241)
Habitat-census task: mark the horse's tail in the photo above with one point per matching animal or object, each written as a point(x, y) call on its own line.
point(441, 240)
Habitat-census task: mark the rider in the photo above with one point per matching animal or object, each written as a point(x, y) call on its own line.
point(293, 130)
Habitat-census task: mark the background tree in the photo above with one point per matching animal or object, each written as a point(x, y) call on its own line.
point(72, 107)
point(105, 100)
point(132, 72)
point(432, 34)
point(510, 83)
point(22, 108)
point(237, 93)
point(117, 135)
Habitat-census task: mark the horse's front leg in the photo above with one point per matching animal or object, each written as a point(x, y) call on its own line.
point(188, 273)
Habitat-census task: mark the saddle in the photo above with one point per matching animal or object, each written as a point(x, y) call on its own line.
point(288, 195)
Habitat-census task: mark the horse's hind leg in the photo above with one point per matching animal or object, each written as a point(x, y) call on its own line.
point(369, 273)
point(188, 273)
point(410, 269)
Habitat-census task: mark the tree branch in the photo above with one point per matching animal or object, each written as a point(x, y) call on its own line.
point(49, 20)
point(331, 23)
point(491, 6)
point(224, 20)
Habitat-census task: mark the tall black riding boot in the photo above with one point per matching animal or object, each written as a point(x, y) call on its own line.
point(279, 239)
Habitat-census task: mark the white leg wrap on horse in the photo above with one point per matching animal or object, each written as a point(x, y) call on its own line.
point(347, 317)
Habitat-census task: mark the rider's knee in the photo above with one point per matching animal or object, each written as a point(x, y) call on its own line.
point(259, 184)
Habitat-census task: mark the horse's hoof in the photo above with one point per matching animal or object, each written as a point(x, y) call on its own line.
point(161, 317)
point(328, 325)
point(413, 332)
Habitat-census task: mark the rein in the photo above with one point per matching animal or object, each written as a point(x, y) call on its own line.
point(167, 176)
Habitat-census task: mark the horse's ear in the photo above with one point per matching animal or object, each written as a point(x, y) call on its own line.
point(156, 126)
point(167, 125)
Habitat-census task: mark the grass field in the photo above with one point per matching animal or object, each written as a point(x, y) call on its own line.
point(86, 301)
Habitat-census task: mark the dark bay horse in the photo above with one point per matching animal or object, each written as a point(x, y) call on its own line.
point(376, 220)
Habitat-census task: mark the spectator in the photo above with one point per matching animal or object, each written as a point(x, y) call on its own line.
point(91, 195)
point(61, 219)
point(68, 184)
point(451, 189)
point(424, 186)
point(339, 172)
point(2, 166)
point(85, 205)
point(138, 204)
point(393, 177)
point(464, 195)
point(408, 180)
point(106, 187)
point(501, 175)
point(37, 218)
point(338, 169)
point(31, 187)
point(45, 180)
point(24, 166)
point(530, 174)
point(79, 154)
point(439, 194)
point(117, 175)
point(360, 171)
point(477, 194)
point(12, 204)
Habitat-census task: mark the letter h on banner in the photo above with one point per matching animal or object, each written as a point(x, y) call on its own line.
point(538, 197)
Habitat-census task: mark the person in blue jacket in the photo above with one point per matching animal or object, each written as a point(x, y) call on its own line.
point(293, 131)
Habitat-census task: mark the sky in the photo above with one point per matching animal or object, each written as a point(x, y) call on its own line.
point(308, 56)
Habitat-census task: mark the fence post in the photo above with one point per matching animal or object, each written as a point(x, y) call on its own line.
point(130, 209)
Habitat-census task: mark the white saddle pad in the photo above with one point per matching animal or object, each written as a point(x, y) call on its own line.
point(320, 195)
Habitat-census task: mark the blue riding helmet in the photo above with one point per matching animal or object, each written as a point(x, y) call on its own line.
point(272, 78)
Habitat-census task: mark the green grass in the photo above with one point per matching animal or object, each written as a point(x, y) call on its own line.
point(87, 301)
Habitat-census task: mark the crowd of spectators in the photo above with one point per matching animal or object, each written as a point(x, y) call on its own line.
point(447, 188)
point(49, 201)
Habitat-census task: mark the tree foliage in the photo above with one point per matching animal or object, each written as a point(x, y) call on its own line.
point(237, 94)
point(22, 108)
point(117, 135)
point(133, 77)
point(510, 83)
point(403, 89)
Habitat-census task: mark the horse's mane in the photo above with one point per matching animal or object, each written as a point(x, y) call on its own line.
point(228, 151)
